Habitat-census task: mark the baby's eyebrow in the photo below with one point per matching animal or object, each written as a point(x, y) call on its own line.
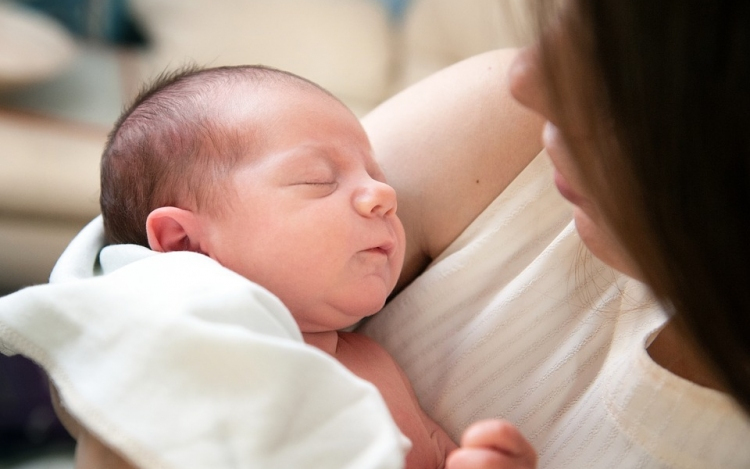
point(333, 158)
point(302, 157)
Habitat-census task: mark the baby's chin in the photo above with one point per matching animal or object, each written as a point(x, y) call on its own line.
point(357, 321)
point(363, 319)
point(347, 320)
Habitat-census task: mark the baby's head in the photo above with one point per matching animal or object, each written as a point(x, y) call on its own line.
point(266, 173)
point(177, 141)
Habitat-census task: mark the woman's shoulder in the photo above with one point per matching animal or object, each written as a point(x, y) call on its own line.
point(449, 145)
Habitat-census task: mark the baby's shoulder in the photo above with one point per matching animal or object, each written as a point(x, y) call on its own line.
point(363, 355)
point(356, 344)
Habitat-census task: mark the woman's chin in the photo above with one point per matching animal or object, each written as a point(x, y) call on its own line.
point(602, 244)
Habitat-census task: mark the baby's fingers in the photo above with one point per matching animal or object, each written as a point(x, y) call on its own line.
point(501, 438)
point(481, 458)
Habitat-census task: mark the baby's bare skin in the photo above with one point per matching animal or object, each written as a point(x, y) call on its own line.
point(368, 360)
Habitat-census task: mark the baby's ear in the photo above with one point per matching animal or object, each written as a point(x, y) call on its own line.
point(173, 229)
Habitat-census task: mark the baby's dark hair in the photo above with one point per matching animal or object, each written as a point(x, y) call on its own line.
point(172, 146)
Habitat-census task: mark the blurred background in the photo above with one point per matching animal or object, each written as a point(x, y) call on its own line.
point(67, 68)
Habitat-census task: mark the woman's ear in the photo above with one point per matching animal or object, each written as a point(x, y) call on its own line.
point(173, 229)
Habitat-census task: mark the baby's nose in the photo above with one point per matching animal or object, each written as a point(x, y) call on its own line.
point(376, 199)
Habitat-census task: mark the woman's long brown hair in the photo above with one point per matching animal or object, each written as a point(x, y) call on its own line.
point(666, 89)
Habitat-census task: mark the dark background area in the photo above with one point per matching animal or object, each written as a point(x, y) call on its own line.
point(98, 20)
point(28, 425)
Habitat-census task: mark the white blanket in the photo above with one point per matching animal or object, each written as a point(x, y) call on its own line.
point(177, 362)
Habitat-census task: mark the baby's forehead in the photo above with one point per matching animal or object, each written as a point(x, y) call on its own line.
point(263, 118)
point(296, 155)
point(260, 105)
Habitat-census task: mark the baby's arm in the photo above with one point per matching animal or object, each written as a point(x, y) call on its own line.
point(487, 444)
point(492, 444)
point(439, 437)
point(371, 362)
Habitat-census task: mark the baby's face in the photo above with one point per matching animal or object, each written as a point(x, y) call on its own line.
point(312, 218)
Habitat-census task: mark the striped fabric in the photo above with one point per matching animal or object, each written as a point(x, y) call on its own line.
point(516, 320)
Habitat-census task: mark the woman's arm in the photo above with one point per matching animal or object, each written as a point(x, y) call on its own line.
point(90, 453)
point(449, 145)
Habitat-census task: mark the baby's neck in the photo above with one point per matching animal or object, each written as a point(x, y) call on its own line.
point(326, 341)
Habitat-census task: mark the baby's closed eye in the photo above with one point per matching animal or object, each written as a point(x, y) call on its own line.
point(317, 183)
point(316, 187)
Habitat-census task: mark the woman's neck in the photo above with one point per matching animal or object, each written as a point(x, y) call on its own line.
point(679, 355)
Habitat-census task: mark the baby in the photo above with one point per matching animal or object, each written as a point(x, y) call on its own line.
point(274, 178)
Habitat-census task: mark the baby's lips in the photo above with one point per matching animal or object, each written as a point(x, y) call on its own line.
point(388, 247)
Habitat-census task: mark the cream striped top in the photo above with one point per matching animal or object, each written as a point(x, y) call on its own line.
point(517, 320)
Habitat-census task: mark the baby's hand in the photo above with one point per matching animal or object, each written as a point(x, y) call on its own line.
point(492, 444)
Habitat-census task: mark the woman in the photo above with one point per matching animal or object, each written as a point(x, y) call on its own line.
point(669, 174)
point(647, 108)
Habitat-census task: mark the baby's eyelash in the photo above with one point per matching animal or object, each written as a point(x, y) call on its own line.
point(319, 183)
